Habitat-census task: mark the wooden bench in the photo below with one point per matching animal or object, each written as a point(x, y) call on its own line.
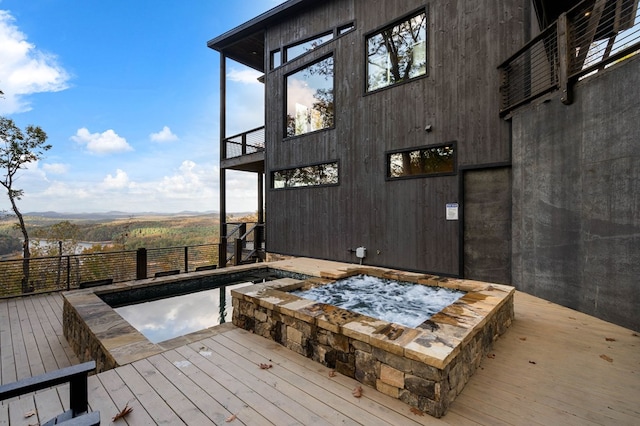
point(96, 283)
point(76, 376)
point(206, 268)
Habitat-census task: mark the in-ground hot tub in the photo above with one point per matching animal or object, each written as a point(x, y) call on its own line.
point(426, 366)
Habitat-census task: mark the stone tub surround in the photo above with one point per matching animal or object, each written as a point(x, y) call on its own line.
point(96, 332)
point(426, 367)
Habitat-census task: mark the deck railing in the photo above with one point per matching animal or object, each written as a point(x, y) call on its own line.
point(66, 272)
point(245, 143)
point(243, 243)
point(592, 36)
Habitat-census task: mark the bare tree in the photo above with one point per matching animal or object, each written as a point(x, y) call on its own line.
point(17, 149)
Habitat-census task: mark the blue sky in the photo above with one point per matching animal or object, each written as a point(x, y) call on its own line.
point(127, 92)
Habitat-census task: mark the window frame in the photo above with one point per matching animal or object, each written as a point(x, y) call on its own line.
point(286, 97)
point(345, 29)
point(272, 55)
point(285, 188)
point(396, 22)
point(388, 154)
point(336, 31)
point(285, 55)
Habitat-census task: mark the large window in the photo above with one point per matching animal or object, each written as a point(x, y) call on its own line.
point(435, 160)
point(310, 98)
point(397, 53)
point(316, 175)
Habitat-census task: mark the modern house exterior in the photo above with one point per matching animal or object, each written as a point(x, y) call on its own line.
point(490, 140)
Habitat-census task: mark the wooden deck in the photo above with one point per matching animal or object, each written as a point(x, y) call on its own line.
point(554, 366)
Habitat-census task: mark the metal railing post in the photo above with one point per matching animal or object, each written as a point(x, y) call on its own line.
point(186, 259)
point(238, 252)
point(242, 230)
point(258, 239)
point(564, 58)
point(68, 273)
point(222, 252)
point(141, 263)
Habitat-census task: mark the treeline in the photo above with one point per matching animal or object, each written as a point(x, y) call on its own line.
point(9, 244)
point(118, 234)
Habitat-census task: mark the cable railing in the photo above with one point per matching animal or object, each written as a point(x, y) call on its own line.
point(602, 32)
point(67, 272)
point(245, 143)
point(592, 36)
point(244, 242)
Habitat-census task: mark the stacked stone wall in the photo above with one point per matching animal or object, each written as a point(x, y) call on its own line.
point(428, 388)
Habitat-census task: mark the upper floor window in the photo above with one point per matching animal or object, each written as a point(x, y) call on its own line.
point(276, 59)
point(397, 53)
point(300, 49)
point(310, 98)
point(435, 160)
point(346, 28)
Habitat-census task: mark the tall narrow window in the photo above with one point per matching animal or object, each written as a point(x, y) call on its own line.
point(435, 160)
point(310, 98)
point(397, 53)
point(276, 59)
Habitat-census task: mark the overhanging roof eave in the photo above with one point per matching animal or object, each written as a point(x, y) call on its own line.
point(257, 24)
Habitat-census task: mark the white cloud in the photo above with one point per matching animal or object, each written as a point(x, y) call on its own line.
point(24, 70)
point(298, 92)
point(107, 142)
point(164, 135)
point(55, 168)
point(61, 193)
point(247, 76)
point(119, 181)
point(190, 186)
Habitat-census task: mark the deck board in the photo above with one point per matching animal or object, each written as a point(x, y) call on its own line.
point(226, 401)
point(292, 384)
point(338, 389)
point(248, 394)
point(144, 393)
point(48, 404)
point(306, 392)
point(547, 369)
point(212, 409)
point(100, 400)
point(122, 397)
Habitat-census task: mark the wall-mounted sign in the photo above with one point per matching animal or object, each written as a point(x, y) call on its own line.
point(452, 211)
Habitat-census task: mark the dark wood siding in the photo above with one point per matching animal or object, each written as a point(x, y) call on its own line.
point(401, 223)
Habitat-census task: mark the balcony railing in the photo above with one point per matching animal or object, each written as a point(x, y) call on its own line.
point(68, 272)
point(245, 143)
point(592, 36)
point(244, 242)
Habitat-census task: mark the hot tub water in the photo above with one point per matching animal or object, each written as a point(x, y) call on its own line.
point(393, 301)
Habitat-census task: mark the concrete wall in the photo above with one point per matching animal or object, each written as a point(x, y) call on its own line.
point(576, 197)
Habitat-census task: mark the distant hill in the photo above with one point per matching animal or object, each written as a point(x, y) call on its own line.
point(113, 215)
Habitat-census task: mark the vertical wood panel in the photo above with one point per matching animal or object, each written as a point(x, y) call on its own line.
point(404, 220)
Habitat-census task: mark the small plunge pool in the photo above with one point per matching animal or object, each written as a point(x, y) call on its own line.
point(164, 319)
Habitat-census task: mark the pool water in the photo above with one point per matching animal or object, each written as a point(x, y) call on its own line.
point(393, 301)
point(164, 319)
